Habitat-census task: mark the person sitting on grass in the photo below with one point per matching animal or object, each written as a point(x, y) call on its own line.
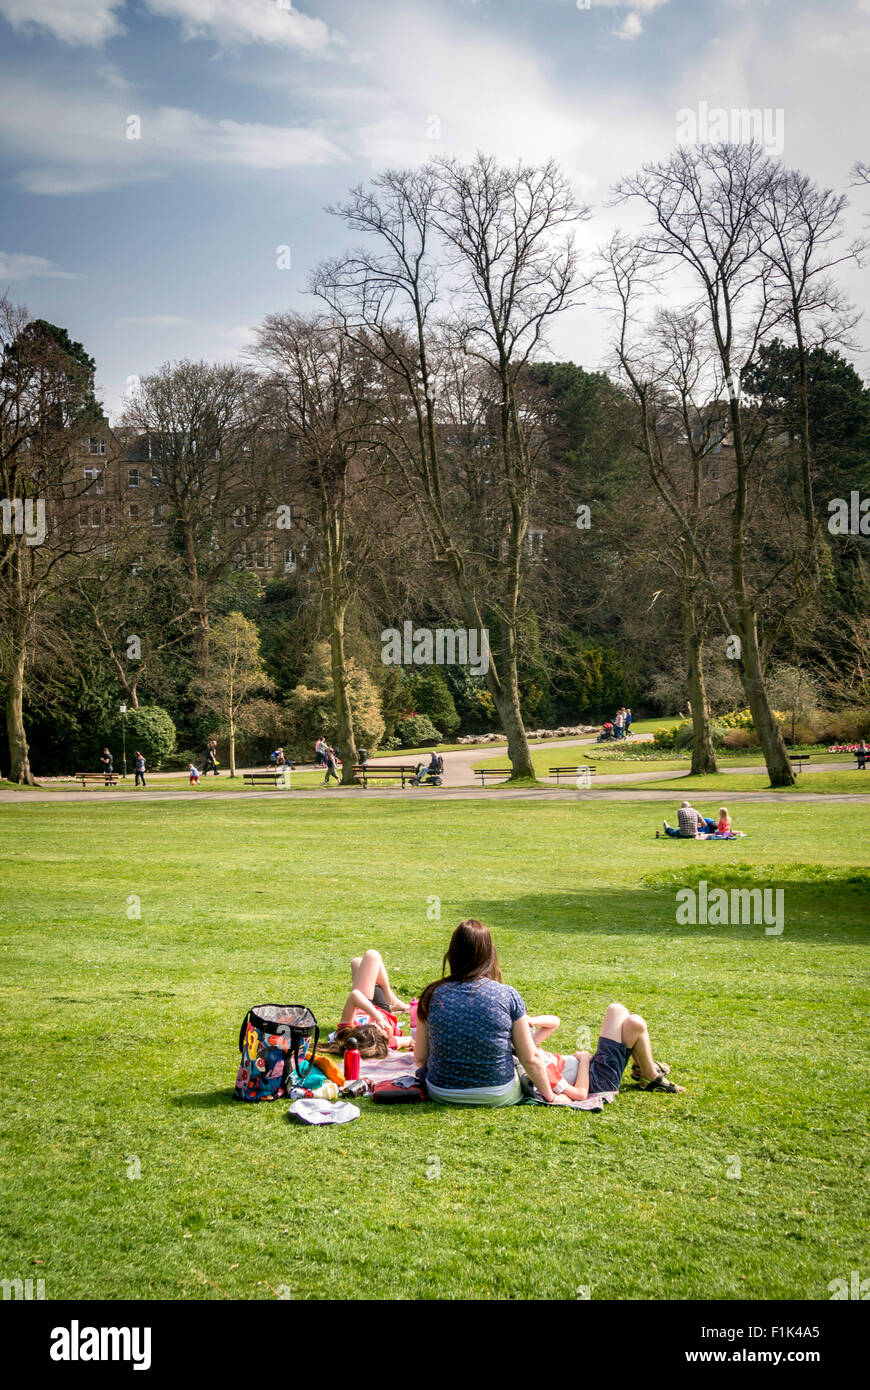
point(369, 1013)
point(690, 822)
point(622, 1035)
point(471, 1028)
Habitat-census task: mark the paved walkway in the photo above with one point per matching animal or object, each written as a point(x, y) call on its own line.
point(459, 774)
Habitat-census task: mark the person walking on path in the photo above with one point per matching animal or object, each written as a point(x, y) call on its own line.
point(108, 767)
point(210, 759)
point(331, 766)
point(139, 768)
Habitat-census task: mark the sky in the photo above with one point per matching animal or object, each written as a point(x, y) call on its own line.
point(156, 154)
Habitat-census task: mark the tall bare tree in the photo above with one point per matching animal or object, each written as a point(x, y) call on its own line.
point(320, 405)
point(707, 211)
point(46, 399)
point(501, 237)
point(198, 428)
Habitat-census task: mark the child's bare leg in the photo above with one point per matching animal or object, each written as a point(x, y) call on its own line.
point(355, 1000)
point(635, 1035)
point(369, 970)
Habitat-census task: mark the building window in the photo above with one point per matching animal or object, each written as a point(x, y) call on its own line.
point(134, 511)
point(97, 477)
point(289, 561)
point(132, 477)
point(157, 515)
point(95, 445)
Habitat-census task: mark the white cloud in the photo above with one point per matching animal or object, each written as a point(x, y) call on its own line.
point(69, 141)
point(631, 27)
point(632, 24)
point(232, 22)
point(83, 23)
point(89, 23)
point(16, 265)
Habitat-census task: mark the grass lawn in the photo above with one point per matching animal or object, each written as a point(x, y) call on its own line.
point(826, 782)
point(121, 1053)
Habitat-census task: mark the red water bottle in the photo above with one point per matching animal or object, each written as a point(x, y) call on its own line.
point(351, 1060)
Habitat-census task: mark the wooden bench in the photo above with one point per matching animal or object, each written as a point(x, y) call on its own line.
point(276, 777)
point(798, 759)
point(101, 779)
point(374, 772)
point(484, 772)
point(559, 772)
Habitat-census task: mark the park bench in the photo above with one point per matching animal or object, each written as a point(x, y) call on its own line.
point(559, 772)
point(101, 779)
point(484, 772)
point(394, 773)
point(798, 759)
point(275, 777)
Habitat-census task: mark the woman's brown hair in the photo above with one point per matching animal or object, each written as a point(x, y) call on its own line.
point(370, 1041)
point(470, 956)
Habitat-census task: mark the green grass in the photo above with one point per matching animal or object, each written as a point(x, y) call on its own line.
point(824, 782)
point(121, 1049)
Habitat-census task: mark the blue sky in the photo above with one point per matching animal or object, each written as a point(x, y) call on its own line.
point(255, 114)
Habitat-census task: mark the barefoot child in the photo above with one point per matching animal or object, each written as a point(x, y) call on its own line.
point(369, 1013)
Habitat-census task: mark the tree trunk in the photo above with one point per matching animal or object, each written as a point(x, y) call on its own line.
point(779, 768)
point(703, 756)
point(232, 741)
point(198, 601)
point(341, 698)
point(19, 754)
point(506, 695)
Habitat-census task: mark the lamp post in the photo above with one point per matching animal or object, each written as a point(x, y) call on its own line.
point(124, 737)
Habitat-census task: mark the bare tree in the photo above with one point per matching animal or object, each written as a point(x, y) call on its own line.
point(511, 270)
point(320, 402)
point(46, 398)
point(708, 211)
point(804, 246)
point(198, 428)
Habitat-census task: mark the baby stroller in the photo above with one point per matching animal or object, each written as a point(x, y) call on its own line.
point(607, 735)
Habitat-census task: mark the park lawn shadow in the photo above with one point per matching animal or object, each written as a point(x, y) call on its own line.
point(834, 912)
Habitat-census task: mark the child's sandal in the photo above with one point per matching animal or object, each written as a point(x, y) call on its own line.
point(662, 1069)
point(661, 1083)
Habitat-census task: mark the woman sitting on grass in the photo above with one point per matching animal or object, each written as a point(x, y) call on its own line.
point(622, 1035)
point(369, 1014)
point(469, 1024)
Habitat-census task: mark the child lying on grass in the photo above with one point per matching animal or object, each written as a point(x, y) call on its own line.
point(369, 1013)
point(623, 1035)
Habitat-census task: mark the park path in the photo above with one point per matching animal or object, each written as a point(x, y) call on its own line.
point(460, 785)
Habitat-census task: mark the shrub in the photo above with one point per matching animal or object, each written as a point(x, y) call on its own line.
point(148, 729)
point(740, 738)
point(432, 697)
point(311, 711)
point(844, 726)
point(418, 731)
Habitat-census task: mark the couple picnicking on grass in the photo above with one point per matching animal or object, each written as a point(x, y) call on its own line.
point(691, 825)
point(475, 1040)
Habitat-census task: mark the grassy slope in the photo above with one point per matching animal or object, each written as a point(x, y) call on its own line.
point(122, 1045)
